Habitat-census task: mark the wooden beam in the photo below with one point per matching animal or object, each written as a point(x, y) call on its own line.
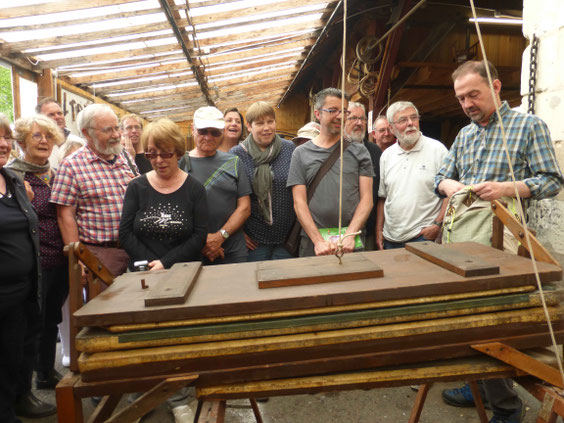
point(108, 42)
point(110, 76)
point(112, 66)
point(177, 25)
point(56, 7)
point(45, 87)
point(256, 66)
point(126, 86)
point(82, 37)
point(255, 10)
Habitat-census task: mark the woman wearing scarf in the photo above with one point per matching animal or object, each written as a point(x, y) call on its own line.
point(266, 159)
point(36, 136)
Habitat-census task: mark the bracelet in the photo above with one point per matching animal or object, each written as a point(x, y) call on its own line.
point(439, 224)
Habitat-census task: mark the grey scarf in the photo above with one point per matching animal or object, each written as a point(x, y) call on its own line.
point(20, 167)
point(262, 181)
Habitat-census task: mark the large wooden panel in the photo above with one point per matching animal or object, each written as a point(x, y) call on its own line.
point(311, 270)
point(228, 290)
point(175, 286)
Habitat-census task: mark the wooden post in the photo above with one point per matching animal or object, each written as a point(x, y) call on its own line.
point(45, 86)
point(16, 94)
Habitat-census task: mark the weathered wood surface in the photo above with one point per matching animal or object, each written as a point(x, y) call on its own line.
point(97, 340)
point(230, 290)
point(458, 262)
point(313, 270)
point(431, 338)
point(175, 286)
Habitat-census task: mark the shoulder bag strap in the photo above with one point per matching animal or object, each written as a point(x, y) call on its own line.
point(324, 168)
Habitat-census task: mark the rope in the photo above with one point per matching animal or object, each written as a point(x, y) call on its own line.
point(517, 196)
point(339, 252)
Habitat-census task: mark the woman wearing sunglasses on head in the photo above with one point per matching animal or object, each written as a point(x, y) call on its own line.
point(164, 218)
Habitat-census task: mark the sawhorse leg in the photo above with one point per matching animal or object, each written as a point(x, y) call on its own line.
point(422, 396)
point(69, 407)
point(213, 411)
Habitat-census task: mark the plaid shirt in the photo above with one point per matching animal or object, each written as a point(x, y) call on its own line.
point(96, 188)
point(477, 154)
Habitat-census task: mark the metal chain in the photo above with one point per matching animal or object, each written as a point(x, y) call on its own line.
point(533, 75)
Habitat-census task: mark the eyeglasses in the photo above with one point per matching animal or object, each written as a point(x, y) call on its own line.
point(132, 127)
point(336, 111)
point(213, 132)
point(38, 136)
point(355, 118)
point(403, 120)
point(107, 130)
point(164, 155)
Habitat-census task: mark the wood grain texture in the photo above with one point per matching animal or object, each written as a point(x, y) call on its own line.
point(458, 262)
point(313, 270)
point(175, 286)
point(231, 289)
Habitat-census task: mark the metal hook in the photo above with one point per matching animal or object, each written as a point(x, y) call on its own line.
point(339, 253)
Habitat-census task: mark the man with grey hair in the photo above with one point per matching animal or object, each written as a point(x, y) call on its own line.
point(322, 211)
point(382, 133)
point(90, 185)
point(408, 209)
point(49, 107)
point(355, 130)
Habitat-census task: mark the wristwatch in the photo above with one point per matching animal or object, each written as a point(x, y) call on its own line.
point(439, 224)
point(224, 233)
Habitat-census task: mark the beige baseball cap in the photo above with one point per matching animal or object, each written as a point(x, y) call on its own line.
point(308, 131)
point(208, 117)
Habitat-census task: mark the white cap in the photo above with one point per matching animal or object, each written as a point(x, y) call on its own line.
point(208, 117)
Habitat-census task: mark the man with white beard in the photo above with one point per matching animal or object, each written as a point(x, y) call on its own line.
point(90, 185)
point(408, 208)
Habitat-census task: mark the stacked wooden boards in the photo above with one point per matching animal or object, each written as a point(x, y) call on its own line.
point(229, 330)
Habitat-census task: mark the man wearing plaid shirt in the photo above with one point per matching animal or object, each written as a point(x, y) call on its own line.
point(478, 158)
point(90, 185)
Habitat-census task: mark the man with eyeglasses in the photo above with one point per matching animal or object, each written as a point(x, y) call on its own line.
point(131, 129)
point(408, 209)
point(90, 185)
point(49, 107)
point(355, 130)
point(322, 212)
point(382, 133)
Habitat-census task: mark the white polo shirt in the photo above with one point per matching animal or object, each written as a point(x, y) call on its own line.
point(406, 182)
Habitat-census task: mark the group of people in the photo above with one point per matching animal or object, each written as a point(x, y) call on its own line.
point(133, 194)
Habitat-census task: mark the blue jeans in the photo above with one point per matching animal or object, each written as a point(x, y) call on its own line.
point(389, 245)
point(268, 252)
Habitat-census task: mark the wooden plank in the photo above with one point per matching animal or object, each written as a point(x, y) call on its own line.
point(516, 228)
point(69, 406)
point(105, 408)
point(55, 7)
point(486, 322)
point(523, 362)
point(310, 270)
point(175, 286)
point(212, 412)
point(96, 340)
point(419, 402)
point(405, 276)
point(151, 399)
point(320, 310)
point(455, 261)
point(478, 401)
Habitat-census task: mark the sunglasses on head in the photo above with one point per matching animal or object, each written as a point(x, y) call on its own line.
point(213, 132)
point(152, 156)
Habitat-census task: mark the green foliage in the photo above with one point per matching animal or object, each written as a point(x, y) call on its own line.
point(6, 101)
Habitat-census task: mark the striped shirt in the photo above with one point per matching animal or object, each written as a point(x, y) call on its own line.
point(96, 188)
point(477, 154)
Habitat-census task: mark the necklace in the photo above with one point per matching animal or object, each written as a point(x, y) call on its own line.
point(46, 177)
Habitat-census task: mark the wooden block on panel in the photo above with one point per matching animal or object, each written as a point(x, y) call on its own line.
point(174, 286)
point(455, 261)
point(312, 270)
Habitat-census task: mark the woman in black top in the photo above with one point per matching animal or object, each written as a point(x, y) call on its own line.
point(164, 218)
point(19, 261)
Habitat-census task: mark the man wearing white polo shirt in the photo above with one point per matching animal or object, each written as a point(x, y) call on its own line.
point(408, 208)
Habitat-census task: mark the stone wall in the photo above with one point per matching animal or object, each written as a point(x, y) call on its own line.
point(545, 19)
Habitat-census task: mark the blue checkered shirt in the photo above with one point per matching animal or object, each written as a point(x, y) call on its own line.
point(477, 154)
